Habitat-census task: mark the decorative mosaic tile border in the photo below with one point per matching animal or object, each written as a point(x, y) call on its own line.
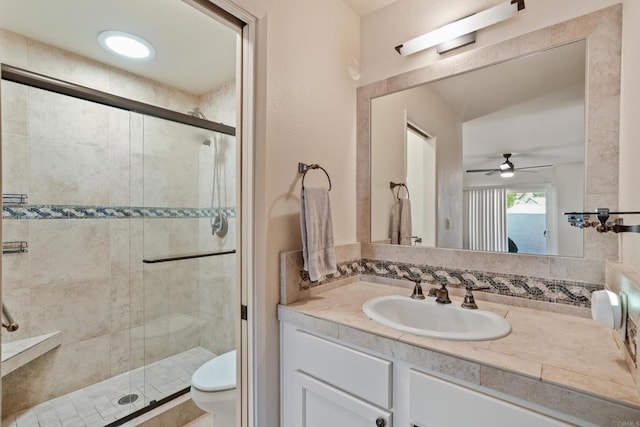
point(345, 269)
point(549, 290)
point(104, 212)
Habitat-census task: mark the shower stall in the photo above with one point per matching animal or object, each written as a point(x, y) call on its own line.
point(120, 245)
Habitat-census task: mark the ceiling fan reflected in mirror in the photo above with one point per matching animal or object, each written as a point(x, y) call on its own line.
point(507, 169)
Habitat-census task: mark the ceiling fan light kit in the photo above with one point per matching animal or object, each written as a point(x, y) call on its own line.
point(507, 168)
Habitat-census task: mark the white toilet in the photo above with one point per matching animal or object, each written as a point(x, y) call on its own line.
point(213, 389)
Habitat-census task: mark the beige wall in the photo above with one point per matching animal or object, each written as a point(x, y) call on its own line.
point(306, 112)
point(630, 130)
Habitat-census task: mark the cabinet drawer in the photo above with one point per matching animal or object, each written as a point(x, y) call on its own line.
point(435, 402)
point(365, 376)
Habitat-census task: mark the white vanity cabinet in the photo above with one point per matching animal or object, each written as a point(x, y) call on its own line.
point(328, 384)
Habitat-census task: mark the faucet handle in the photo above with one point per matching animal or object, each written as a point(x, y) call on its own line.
point(417, 289)
point(469, 300)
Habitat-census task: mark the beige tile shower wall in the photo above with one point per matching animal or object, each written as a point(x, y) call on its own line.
point(218, 285)
point(218, 282)
point(219, 105)
point(226, 159)
point(218, 303)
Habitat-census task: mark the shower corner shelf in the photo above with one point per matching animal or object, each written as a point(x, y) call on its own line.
point(16, 354)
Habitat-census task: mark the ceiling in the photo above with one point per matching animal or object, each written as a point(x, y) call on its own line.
point(192, 49)
point(532, 107)
point(366, 7)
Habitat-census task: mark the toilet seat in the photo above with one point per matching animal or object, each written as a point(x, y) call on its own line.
point(217, 374)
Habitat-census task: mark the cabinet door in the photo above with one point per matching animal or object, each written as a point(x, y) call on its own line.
point(437, 403)
point(327, 406)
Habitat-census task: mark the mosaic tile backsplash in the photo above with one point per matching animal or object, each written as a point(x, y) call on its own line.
point(104, 212)
point(532, 288)
point(345, 269)
point(549, 290)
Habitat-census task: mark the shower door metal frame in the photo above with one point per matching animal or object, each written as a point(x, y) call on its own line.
point(40, 81)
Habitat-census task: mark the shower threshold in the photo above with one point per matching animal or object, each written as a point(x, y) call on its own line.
point(97, 405)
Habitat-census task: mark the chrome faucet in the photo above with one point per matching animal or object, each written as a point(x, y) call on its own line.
point(469, 300)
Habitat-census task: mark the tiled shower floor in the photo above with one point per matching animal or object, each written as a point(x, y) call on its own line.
point(97, 405)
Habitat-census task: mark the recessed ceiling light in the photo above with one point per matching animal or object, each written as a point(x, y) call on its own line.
point(127, 45)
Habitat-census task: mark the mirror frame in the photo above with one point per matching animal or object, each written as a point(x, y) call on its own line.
point(602, 31)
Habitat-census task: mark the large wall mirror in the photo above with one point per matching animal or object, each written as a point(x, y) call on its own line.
point(549, 98)
point(526, 116)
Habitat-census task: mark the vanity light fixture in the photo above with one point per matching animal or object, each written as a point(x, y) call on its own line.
point(127, 45)
point(462, 32)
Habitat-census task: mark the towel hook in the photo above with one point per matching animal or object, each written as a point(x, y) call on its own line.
point(303, 168)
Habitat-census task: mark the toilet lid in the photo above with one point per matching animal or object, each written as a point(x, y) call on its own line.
point(217, 374)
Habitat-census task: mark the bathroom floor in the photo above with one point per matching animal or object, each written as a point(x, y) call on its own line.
point(97, 405)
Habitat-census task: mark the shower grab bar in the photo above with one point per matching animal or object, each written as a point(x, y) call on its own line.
point(14, 199)
point(11, 325)
point(15, 247)
point(187, 256)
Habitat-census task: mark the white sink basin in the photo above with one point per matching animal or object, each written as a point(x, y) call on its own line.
point(430, 319)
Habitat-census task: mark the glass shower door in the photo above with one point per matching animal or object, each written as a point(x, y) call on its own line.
point(69, 287)
point(188, 272)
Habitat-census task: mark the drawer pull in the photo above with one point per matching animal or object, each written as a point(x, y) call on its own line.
point(380, 422)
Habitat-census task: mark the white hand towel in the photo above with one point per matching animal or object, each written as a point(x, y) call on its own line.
point(401, 222)
point(317, 233)
point(405, 222)
point(395, 222)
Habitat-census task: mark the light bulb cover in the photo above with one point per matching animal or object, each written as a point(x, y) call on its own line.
point(127, 45)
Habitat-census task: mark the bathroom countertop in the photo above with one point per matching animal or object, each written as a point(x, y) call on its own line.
point(555, 349)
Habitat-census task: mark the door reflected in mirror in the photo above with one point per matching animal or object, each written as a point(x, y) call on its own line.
point(491, 157)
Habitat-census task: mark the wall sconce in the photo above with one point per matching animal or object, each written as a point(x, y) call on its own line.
point(462, 32)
